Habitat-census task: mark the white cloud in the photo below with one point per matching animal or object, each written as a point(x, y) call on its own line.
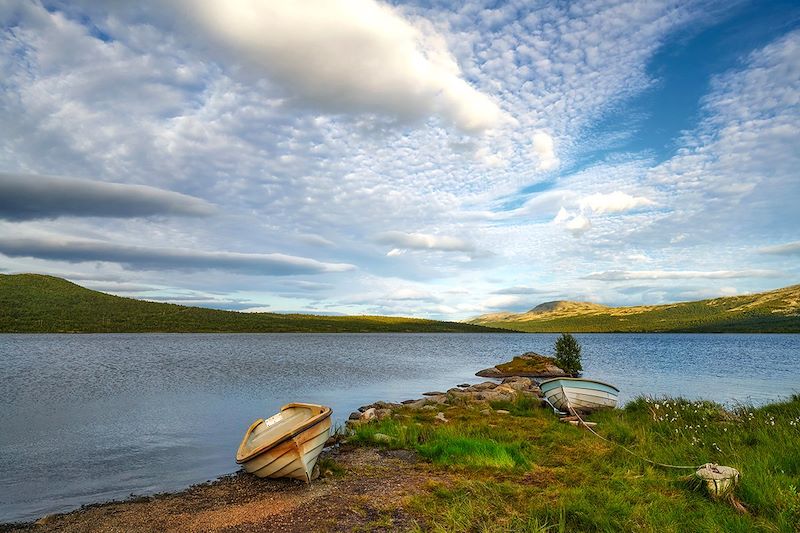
point(503, 301)
point(614, 202)
point(790, 248)
point(424, 241)
point(348, 56)
point(625, 275)
point(151, 258)
point(544, 151)
point(576, 223)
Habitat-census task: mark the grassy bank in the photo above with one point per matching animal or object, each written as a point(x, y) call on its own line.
point(33, 303)
point(525, 471)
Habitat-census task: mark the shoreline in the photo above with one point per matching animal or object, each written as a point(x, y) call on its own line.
point(385, 476)
point(245, 487)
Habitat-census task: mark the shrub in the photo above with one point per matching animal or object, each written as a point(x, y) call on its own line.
point(568, 354)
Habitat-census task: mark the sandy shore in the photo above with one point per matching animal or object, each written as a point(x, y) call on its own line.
point(368, 494)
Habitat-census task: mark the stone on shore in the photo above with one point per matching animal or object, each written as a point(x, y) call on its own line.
point(529, 364)
point(440, 417)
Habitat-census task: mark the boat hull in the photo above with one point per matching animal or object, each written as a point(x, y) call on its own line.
point(295, 454)
point(581, 395)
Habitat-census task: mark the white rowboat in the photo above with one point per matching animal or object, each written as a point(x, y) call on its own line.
point(287, 444)
point(582, 395)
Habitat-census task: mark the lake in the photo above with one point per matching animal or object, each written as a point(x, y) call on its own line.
point(90, 418)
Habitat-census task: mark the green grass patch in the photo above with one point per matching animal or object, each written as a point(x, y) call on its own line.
point(532, 473)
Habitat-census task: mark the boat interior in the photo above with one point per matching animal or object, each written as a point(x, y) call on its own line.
point(292, 418)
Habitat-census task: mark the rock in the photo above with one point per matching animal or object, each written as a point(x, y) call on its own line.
point(486, 385)
point(501, 412)
point(406, 402)
point(503, 393)
point(519, 383)
point(440, 417)
point(486, 412)
point(369, 414)
point(492, 372)
point(464, 385)
point(383, 413)
point(380, 437)
point(385, 405)
point(428, 408)
point(417, 404)
point(434, 393)
point(441, 399)
point(355, 415)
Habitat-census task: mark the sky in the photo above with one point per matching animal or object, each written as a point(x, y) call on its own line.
point(431, 159)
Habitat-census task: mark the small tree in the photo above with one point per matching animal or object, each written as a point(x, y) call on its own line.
point(568, 354)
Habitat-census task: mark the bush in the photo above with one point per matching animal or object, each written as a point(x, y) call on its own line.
point(568, 354)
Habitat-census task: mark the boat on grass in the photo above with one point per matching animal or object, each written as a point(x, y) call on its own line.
point(580, 394)
point(287, 444)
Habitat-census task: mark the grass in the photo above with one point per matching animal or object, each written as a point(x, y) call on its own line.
point(32, 303)
point(527, 472)
point(775, 311)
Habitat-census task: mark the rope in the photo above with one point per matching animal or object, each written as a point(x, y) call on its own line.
point(576, 415)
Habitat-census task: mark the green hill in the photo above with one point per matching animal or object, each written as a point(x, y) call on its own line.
point(775, 311)
point(33, 303)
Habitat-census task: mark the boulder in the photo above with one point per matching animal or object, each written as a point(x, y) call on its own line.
point(503, 393)
point(433, 393)
point(355, 415)
point(369, 414)
point(463, 385)
point(492, 372)
point(518, 383)
point(428, 408)
point(486, 385)
point(417, 404)
point(383, 413)
point(502, 412)
point(486, 412)
point(440, 417)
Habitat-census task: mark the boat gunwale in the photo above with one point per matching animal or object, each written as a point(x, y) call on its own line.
point(579, 379)
point(313, 421)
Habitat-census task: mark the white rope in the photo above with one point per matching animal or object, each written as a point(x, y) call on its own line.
point(576, 415)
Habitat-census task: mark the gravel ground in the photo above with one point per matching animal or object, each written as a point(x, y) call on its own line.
point(369, 495)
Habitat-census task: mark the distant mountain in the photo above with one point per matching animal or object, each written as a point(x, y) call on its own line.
point(33, 303)
point(774, 311)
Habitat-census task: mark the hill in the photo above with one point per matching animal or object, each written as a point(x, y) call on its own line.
point(33, 303)
point(775, 311)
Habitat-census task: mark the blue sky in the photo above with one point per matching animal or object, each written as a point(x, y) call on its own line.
point(426, 158)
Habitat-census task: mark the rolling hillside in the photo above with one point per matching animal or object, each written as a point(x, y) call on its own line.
point(32, 303)
point(775, 311)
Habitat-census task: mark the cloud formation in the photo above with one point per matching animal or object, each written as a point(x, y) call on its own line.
point(626, 275)
point(614, 202)
point(140, 257)
point(576, 223)
point(544, 150)
point(346, 56)
point(790, 248)
point(29, 197)
point(423, 241)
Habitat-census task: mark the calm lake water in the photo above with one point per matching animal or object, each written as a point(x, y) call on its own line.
point(89, 418)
